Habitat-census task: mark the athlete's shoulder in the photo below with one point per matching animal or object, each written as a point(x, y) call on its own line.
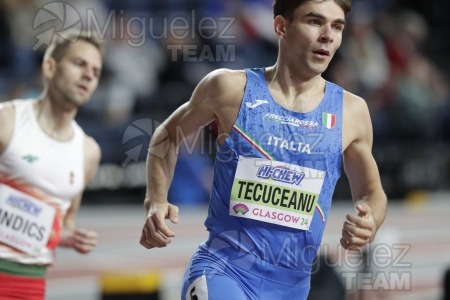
point(354, 104)
point(92, 150)
point(7, 115)
point(92, 156)
point(356, 111)
point(7, 119)
point(225, 75)
point(220, 88)
point(225, 80)
point(7, 107)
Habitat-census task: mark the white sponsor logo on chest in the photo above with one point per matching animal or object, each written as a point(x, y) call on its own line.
point(289, 120)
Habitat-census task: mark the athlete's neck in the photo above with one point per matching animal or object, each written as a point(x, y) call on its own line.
point(55, 121)
point(295, 91)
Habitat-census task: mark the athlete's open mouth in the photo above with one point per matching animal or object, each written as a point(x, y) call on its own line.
point(82, 87)
point(322, 52)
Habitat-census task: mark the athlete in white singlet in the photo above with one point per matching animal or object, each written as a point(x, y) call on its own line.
point(46, 161)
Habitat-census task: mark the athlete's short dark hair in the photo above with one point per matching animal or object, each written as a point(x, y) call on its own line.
point(286, 8)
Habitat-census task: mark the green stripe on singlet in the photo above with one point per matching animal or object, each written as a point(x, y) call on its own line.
point(14, 268)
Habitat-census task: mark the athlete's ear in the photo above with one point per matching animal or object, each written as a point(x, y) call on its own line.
point(48, 67)
point(279, 24)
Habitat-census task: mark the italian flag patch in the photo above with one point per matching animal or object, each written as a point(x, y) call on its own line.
point(329, 120)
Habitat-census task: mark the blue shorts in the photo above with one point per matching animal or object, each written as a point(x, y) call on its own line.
point(209, 277)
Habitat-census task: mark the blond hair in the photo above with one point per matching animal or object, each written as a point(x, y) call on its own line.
point(60, 43)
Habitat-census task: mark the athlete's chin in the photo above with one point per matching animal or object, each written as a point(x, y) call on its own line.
point(77, 100)
point(319, 68)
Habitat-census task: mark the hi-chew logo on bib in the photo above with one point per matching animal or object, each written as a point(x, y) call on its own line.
point(280, 174)
point(25, 222)
point(275, 192)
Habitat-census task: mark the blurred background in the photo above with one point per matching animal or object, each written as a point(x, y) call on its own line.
point(395, 55)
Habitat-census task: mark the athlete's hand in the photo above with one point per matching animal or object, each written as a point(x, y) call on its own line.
point(358, 230)
point(155, 232)
point(81, 240)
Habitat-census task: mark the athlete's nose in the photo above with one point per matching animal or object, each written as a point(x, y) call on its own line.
point(326, 35)
point(88, 73)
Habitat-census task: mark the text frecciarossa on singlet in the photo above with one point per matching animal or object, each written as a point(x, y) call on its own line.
point(39, 177)
point(274, 178)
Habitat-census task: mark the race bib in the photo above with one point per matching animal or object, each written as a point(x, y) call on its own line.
point(25, 222)
point(275, 192)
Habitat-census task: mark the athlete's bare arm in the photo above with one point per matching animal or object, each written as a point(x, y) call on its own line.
point(217, 97)
point(362, 172)
point(7, 117)
point(82, 240)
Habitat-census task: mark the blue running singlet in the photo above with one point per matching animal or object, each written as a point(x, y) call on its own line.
point(274, 180)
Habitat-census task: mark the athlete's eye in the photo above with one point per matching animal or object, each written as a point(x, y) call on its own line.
point(78, 62)
point(315, 22)
point(338, 27)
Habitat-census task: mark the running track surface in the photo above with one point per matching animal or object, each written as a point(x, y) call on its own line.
point(414, 248)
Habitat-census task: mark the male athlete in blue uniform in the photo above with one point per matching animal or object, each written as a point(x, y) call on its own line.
point(283, 133)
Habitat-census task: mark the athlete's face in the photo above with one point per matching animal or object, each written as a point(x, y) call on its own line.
point(310, 41)
point(74, 78)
